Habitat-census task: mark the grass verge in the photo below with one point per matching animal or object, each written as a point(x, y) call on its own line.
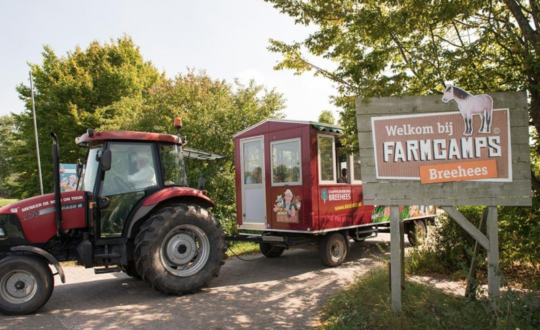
point(242, 248)
point(367, 305)
point(5, 201)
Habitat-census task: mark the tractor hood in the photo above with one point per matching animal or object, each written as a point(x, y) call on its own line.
point(37, 214)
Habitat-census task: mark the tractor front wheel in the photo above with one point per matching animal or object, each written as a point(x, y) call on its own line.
point(180, 249)
point(26, 284)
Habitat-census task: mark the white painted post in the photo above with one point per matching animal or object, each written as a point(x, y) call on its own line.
point(395, 252)
point(493, 253)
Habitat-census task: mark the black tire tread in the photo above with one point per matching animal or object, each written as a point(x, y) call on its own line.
point(326, 241)
point(41, 297)
point(146, 235)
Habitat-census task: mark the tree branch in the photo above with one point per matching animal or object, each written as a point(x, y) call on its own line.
point(402, 51)
point(324, 72)
point(528, 33)
point(535, 13)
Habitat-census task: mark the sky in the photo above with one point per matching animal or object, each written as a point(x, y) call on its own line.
point(226, 38)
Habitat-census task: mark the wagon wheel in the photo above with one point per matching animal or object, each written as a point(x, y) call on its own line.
point(333, 249)
point(417, 233)
point(270, 250)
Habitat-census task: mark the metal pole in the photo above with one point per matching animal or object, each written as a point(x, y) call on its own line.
point(36, 132)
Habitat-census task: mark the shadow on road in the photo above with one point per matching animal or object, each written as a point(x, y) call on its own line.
point(281, 293)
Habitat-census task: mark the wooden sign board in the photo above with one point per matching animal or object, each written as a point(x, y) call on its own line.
point(419, 150)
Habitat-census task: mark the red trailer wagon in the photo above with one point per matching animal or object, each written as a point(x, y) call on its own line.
point(296, 184)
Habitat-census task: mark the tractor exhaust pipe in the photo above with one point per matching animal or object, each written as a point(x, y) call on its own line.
point(56, 170)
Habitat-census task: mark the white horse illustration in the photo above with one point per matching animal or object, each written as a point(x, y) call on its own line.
point(470, 105)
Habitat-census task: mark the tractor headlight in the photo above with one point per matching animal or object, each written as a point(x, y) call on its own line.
point(2, 233)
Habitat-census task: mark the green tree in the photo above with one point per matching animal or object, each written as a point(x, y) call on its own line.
point(7, 143)
point(7, 128)
point(212, 111)
point(73, 93)
point(405, 47)
point(327, 117)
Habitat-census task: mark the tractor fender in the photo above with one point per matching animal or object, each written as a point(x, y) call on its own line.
point(52, 260)
point(172, 192)
point(165, 195)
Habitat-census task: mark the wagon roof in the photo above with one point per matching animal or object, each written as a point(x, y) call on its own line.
point(319, 126)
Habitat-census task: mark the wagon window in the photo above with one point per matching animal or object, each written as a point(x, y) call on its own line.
point(286, 160)
point(327, 159)
point(356, 177)
point(253, 157)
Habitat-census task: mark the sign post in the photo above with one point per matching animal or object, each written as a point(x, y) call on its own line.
point(426, 150)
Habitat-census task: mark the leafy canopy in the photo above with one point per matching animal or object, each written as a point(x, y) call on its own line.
point(327, 117)
point(409, 47)
point(72, 93)
point(111, 87)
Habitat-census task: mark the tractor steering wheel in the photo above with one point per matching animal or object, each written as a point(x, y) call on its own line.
point(121, 182)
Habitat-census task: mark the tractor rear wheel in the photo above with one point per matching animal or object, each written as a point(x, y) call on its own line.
point(180, 249)
point(131, 270)
point(333, 249)
point(26, 284)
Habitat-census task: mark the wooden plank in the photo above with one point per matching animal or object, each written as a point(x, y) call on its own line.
point(468, 226)
point(363, 123)
point(519, 136)
point(365, 139)
point(465, 189)
point(493, 253)
point(517, 118)
point(512, 100)
point(423, 104)
point(470, 291)
point(518, 201)
point(395, 268)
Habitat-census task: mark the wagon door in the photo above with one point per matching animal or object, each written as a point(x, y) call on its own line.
point(253, 183)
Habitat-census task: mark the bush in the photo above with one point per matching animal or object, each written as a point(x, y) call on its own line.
point(450, 248)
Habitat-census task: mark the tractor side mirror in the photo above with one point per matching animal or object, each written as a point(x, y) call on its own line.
point(106, 160)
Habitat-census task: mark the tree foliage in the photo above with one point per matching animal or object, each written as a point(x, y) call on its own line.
point(406, 47)
point(7, 143)
point(327, 117)
point(409, 47)
point(212, 111)
point(73, 93)
point(7, 129)
point(111, 87)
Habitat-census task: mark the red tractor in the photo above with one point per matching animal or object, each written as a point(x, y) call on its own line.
point(133, 212)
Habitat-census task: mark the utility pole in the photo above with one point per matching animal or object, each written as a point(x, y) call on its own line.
point(36, 132)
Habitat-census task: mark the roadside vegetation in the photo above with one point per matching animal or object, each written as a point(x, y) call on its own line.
point(367, 305)
point(6, 201)
point(242, 248)
point(450, 249)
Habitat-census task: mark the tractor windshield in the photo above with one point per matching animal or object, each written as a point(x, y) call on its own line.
point(174, 170)
point(89, 177)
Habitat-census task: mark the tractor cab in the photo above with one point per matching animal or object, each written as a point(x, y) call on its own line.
point(134, 166)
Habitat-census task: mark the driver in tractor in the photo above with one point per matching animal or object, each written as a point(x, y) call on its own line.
point(145, 175)
point(142, 174)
